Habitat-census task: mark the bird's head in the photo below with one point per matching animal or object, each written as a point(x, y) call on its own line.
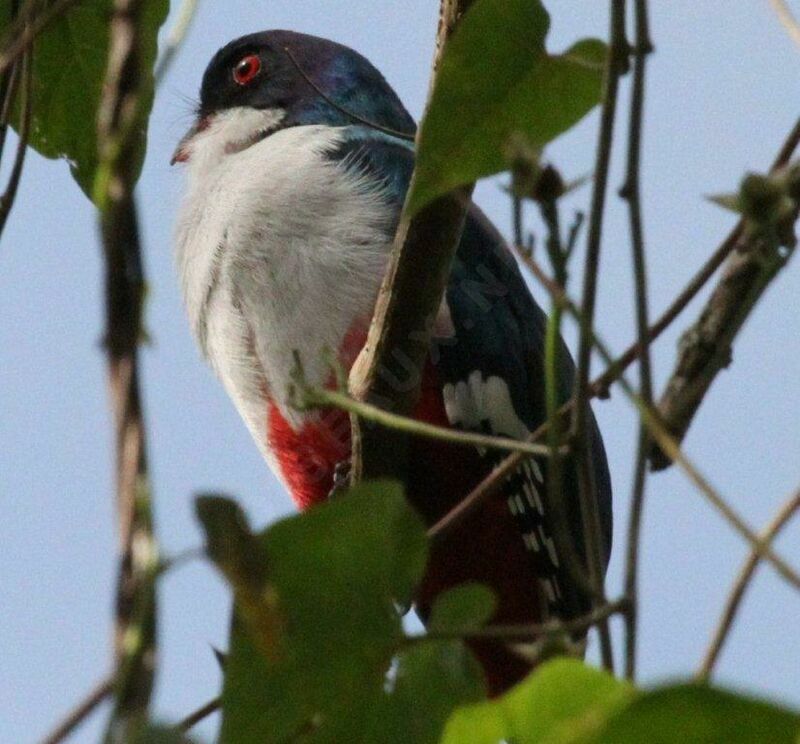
point(268, 81)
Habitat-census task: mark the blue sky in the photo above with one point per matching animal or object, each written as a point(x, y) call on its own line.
point(723, 92)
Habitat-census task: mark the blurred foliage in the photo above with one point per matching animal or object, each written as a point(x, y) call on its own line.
point(333, 663)
point(69, 66)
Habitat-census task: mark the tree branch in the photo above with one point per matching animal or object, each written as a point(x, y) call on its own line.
point(80, 712)
point(631, 191)
point(786, 512)
point(706, 348)
point(527, 632)
point(117, 137)
point(388, 372)
point(203, 712)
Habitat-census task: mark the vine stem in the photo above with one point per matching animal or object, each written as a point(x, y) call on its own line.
point(388, 371)
point(631, 191)
point(786, 512)
point(616, 64)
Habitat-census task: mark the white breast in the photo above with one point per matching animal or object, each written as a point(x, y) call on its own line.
point(279, 250)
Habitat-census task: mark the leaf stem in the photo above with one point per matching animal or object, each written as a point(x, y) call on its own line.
point(316, 397)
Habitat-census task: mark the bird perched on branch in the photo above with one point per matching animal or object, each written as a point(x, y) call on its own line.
point(298, 165)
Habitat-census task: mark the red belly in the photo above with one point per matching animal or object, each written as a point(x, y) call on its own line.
point(485, 547)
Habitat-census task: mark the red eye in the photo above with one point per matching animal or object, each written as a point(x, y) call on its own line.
point(246, 69)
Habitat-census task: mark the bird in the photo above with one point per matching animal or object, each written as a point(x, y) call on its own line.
point(297, 167)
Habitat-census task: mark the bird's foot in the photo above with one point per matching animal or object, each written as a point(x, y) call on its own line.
point(341, 478)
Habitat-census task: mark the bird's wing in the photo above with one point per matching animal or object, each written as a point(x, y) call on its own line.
point(491, 368)
point(495, 381)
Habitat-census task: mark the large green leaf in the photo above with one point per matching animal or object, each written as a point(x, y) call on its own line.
point(695, 714)
point(563, 701)
point(317, 621)
point(69, 65)
point(496, 80)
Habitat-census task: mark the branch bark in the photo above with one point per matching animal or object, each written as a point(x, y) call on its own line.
point(118, 118)
point(706, 348)
point(388, 372)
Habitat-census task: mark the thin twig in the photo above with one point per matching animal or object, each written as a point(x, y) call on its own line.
point(581, 431)
point(528, 631)
point(204, 711)
point(173, 42)
point(320, 398)
point(8, 92)
point(80, 712)
point(599, 387)
point(26, 111)
point(665, 440)
point(631, 191)
point(787, 19)
point(559, 258)
point(781, 519)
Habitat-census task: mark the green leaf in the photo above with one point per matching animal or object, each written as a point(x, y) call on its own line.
point(563, 701)
point(696, 714)
point(496, 81)
point(465, 607)
point(69, 65)
point(334, 578)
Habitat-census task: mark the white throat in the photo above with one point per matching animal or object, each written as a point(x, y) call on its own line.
point(279, 250)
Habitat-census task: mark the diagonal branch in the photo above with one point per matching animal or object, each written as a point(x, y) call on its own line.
point(664, 439)
point(20, 37)
point(706, 348)
point(388, 371)
point(26, 111)
point(787, 19)
point(80, 712)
